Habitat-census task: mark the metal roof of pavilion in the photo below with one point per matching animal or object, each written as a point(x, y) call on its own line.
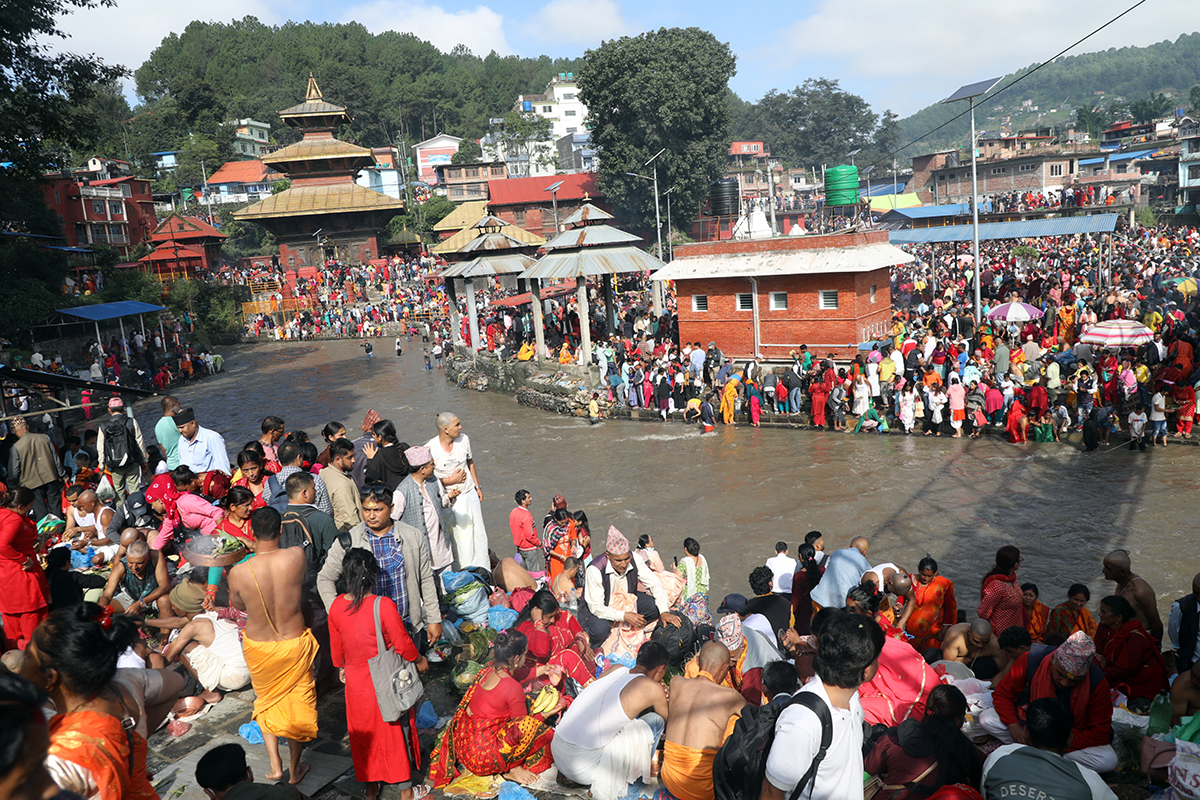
point(1024, 229)
point(102, 311)
point(590, 236)
point(490, 264)
point(462, 215)
point(33, 377)
point(592, 261)
point(587, 213)
point(301, 201)
point(458, 241)
point(809, 261)
point(929, 212)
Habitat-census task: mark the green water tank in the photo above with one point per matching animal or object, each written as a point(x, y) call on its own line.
point(841, 186)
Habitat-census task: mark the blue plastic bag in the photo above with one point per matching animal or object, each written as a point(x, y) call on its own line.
point(426, 716)
point(501, 618)
point(514, 791)
point(251, 733)
point(82, 559)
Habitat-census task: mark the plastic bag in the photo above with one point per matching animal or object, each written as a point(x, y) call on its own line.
point(426, 716)
point(1184, 773)
point(1126, 719)
point(251, 733)
point(514, 791)
point(105, 491)
point(501, 618)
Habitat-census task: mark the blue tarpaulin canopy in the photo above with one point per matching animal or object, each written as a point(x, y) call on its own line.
point(102, 311)
point(1026, 229)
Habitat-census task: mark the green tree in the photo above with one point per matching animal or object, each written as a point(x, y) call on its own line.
point(1194, 97)
point(469, 152)
point(421, 218)
point(1149, 108)
point(525, 139)
point(818, 122)
point(663, 90)
point(1091, 119)
point(278, 187)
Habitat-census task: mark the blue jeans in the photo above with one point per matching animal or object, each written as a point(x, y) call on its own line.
point(1159, 428)
point(794, 399)
point(657, 724)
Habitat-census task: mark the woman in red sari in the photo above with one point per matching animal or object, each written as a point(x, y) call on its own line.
point(1129, 656)
point(1017, 423)
point(25, 600)
point(239, 504)
point(491, 733)
point(1066, 618)
point(555, 639)
point(383, 752)
point(935, 610)
point(1185, 400)
point(818, 390)
point(1001, 600)
point(95, 750)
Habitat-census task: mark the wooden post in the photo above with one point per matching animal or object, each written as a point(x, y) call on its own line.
point(539, 326)
point(472, 317)
point(585, 325)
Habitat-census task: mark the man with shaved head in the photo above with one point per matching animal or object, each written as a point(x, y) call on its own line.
point(454, 466)
point(701, 713)
point(1119, 569)
point(976, 645)
point(87, 525)
point(843, 571)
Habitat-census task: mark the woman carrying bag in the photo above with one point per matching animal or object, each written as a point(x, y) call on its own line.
point(383, 752)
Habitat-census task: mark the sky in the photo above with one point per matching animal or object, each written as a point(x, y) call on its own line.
point(896, 55)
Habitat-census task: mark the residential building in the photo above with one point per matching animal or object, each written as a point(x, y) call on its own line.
point(240, 182)
point(251, 139)
point(1041, 171)
point(769, 296)
point(924, 182)
point(166, 161)
point(386, 176)
point(99, 168)
point(524, 202)
point(1189, 163)
point(559, 103)
point(748, 163)
point(113, 211)
point(432, 153)
point(465, 182)
point(575, 153)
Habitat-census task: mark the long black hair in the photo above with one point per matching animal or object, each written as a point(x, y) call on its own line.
point(72, 642)
point(958, 760)
point(806, 557)
point(237, 495)
point(385, 430)
point(20, 703)
point(359, 571)
point(508, 645)
point(542, 599)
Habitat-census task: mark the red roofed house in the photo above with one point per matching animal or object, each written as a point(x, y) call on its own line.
point(183, 247)
point(115, 211)
point(524, 202)
point(242, 182)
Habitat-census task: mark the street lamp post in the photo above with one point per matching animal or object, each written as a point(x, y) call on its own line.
point(969, 93)
point(655, 286)
point(670, 230)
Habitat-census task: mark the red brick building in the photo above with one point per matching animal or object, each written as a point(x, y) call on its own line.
point(772, 295)
point(116, 211)
point(524, 202)
point(183, 247)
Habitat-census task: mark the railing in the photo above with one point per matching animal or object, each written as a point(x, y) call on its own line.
point(229, 199)
point(101, 191)
point(269, 306)
point(262, 287)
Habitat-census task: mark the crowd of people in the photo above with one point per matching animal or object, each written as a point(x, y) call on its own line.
point(586, 652)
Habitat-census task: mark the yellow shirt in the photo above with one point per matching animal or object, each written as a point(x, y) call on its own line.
point(1142, 373)
point(887, 369)
point(593, 408)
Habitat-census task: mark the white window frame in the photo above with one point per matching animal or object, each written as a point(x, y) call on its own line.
point(1056, 170)
point(823, 298)
point(700, 303)
point(744, 301)
point(873, 289)
point(779, 301)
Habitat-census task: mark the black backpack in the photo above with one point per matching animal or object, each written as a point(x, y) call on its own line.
point(279, 498)
point(119, 441)
point(680, 642)
point(740, 766)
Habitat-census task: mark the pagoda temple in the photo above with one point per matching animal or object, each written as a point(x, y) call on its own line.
point(324, 214)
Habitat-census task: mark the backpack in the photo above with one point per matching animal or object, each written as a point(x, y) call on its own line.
point(740, 765)
point(119, 441)
point(680, 642)
point(279, 498)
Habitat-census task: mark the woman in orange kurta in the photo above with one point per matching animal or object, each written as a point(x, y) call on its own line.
point(94, 749)
point(1071, 616)
point(936, 608)
point(1038, 613)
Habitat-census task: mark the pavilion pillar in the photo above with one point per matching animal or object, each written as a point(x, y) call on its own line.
point(99, 341)
point(124, 345)
point(585, 323)
point(455, 320)
point(472, 316)
point(610, 306)
point(539, 325)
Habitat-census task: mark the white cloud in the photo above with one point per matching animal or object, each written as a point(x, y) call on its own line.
point(578, 22)
point(130, 32)
point(914, 56)
point(479, 28)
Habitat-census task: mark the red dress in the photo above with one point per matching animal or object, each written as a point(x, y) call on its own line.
point(382, 751)
point(1001, 603)
point(559, 644)
point(25, 600)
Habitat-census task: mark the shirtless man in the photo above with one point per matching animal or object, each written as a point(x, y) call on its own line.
point(139, 579)
point(702, 713)
point(278, 648)
point(87, 524)
point(208, 647)
point(1185, 695)
point(510, 575)
point(1117, 568)
point(975, 645)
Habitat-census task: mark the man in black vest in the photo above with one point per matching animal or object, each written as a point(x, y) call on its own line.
point(618, 565)
point(1183, 628)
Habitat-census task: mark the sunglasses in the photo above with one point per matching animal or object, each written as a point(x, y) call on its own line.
point(379, 491)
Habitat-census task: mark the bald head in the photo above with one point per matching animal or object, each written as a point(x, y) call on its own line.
point(860, 544)
point(981, 629)
point(87, 498)
point(1118, 559)
point(901, 584)
point(131, 535)
point(445, 420)
point(713, 656)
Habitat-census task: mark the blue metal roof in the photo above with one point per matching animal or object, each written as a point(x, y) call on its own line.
point(1083, 162)
point(884, 189)
point(101, 311)
point(1027, 229)
point(931, 212)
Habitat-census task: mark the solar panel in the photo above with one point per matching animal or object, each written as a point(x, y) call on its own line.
point(972, 90)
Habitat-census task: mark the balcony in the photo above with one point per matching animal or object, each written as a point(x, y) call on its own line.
point(112, 192)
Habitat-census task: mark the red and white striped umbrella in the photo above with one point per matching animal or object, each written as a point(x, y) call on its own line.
point(1117, 333)
point(1015, 312)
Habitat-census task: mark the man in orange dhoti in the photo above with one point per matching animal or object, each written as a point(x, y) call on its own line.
point(279, 649)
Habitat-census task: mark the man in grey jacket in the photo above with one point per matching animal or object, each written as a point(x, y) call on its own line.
point(405, 566)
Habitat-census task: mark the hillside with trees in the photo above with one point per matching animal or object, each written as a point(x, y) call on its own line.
point(1094, 89)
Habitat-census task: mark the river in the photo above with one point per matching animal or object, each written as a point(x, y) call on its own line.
point(740, 490)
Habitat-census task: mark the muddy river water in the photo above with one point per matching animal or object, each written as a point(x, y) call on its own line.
point(740, 490)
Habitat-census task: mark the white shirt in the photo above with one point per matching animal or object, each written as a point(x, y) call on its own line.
point(797, 740)
point(593, 588)
point(1156, 402)
point(445, 464)
point(783, 568)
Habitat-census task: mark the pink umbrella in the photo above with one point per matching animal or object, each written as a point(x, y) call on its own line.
point(1117, 333)
point(1015, 312)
